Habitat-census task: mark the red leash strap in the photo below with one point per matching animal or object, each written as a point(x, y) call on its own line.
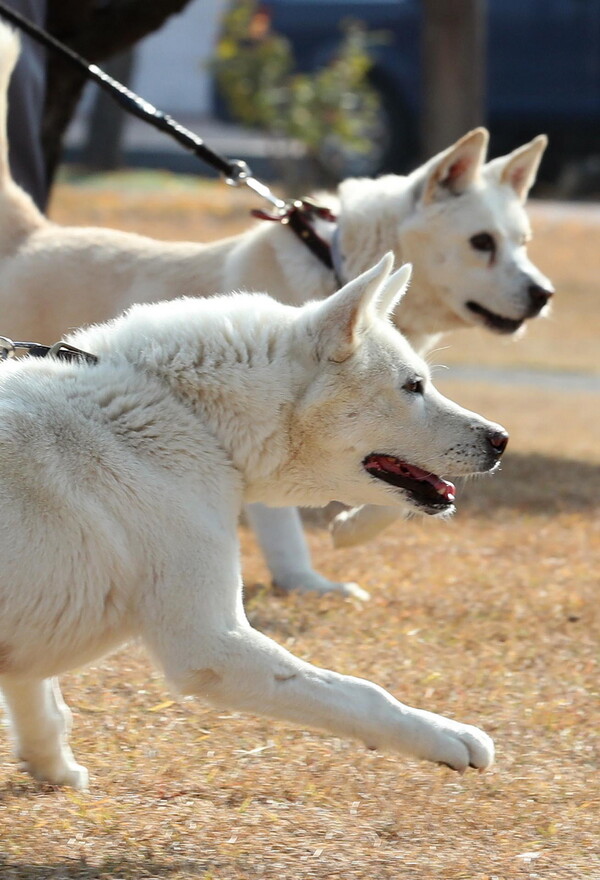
point(297, 216)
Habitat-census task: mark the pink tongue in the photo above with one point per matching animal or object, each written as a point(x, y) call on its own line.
point(443, 487)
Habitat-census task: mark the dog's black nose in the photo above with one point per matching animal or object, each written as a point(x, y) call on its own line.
point(498, 439)
point(538, 298)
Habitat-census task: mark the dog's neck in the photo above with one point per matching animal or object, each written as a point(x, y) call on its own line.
point(231, 366)
point(374, 218)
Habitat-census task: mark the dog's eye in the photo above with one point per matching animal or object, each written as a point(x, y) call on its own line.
point(483, 241)
point(414, 386)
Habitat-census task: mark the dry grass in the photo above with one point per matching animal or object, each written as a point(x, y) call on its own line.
point(492, 618)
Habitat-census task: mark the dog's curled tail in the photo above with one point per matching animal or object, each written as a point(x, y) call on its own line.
point(10, 48)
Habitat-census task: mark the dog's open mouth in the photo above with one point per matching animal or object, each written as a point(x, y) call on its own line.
point(493, 321)
point(427, 490)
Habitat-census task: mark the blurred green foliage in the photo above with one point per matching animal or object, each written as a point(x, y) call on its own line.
point(255, 71)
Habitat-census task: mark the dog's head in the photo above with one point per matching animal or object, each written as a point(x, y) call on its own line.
point(469, 231)
point(368, 425)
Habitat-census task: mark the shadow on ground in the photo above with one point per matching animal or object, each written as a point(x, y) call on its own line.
point(537, 484)
point(124, 869)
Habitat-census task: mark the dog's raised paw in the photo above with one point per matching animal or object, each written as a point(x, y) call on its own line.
point(466, 747)
point(360, 525)
point(455, 745)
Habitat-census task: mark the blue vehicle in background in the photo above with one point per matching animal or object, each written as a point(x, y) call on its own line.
point(543, 71)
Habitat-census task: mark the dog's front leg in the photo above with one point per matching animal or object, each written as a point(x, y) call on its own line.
point(40, 720)
point(280, 535)
point(244, 670)
point(361, 524)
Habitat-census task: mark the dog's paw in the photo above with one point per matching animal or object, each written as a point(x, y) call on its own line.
point(344, 531)
point(453, 744)
point(57, 771)
point(313, 582)
point(361, 524)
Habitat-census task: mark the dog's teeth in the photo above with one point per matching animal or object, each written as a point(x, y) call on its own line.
point(445, 488)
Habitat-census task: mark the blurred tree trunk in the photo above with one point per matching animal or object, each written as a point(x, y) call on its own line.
point(453, 64)
point(96, 30)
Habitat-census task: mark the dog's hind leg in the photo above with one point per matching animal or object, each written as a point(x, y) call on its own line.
point(40, 721)
point(280, 535)
point(361, 524)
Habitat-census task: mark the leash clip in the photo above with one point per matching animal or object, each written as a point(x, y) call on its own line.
point(239, 172)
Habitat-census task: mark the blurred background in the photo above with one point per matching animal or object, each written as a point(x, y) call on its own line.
point(357, 87)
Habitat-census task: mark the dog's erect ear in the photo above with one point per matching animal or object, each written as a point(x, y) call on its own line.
point(519, 168)
point(393, 290)
point(454, 170)
point(340, 318)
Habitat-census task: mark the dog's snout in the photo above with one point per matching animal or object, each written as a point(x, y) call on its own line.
point(538, 297)
point(498, 440)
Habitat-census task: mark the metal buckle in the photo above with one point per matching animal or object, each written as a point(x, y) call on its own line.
point(7, 348)
point(55, 350)
point(240, 172)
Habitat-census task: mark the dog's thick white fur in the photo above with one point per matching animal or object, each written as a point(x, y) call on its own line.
point(53, 278)
point(123, 483)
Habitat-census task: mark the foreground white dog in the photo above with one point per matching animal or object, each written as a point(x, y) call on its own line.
point(123, 482)
point(460, 222)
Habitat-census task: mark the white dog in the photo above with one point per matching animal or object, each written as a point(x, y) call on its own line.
point(460, 222)
point(123, 482)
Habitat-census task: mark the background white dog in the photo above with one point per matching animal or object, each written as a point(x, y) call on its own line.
point(124, 482)
point(459, 221)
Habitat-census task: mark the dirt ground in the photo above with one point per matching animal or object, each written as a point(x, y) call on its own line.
point(492, 618)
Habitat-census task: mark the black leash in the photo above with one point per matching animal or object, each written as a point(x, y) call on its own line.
point(131, 102)
point(294, 213)
point(60, 350)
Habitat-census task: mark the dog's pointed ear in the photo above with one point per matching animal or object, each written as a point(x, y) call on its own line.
point(454, 170)
point(519, 169)
point(393, 290)
point(340, 318)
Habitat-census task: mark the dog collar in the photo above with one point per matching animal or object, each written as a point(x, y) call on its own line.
point(337, 256)
point(297, 214)
point(60, 350)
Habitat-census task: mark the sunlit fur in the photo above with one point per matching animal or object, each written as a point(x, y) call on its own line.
point(53, 278)
point(124, 482)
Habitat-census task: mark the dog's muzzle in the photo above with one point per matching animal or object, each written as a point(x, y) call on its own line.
point(538, 298)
